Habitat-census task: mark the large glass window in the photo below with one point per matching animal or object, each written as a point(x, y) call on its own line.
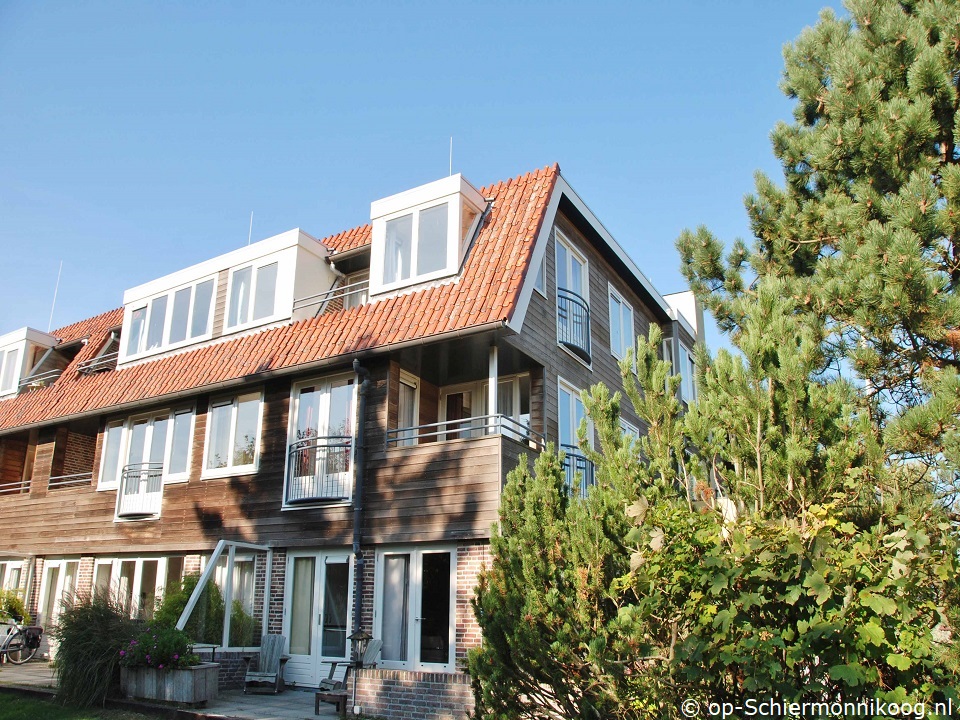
point(415, 596)
point(156, 445)
point(396, 265)
point(253, 294)
point(10, 572)
point(407, 409)
point(416, 243)
point(233, 437)
point(135, 333)
point(335, 595)
point(170, 319)
point(621, 325)
point(432, 240)
point(688, 374)
point(158, 316)
point(136, 583)
point(10, 370)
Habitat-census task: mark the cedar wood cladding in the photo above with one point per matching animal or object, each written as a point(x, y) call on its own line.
point(431, 492)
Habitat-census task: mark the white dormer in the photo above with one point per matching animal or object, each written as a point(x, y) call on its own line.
point(422, 234)
point(19, 352)
point(235, 293)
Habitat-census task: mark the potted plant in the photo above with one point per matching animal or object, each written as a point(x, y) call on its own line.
point(159, 664)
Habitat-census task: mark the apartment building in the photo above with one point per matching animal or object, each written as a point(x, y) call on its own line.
point(341, 412)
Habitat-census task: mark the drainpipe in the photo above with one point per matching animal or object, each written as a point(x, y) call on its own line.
point(360, 465)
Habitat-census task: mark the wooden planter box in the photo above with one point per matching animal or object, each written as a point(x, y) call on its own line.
point(192, 686)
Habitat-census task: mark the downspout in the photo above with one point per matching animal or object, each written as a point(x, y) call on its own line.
point(360, 465)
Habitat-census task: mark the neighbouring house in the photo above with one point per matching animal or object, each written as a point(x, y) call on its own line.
point(343, 412)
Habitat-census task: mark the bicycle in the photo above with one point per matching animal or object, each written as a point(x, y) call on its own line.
point(21, 642)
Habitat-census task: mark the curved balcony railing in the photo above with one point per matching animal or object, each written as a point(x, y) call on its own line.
point(578, 469)
point(573, 323)
point(141, 490)
point(319, 469)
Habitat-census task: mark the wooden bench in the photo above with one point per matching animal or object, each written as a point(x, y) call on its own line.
point(337, 698)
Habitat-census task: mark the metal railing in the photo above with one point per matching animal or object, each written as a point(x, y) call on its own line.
point(579, 470)
point(573, 323)
point(465, 428)
point(17, 487)
point(40, 379)
point(107, 361)
point(352, 294)
point(141, 490)
point(319, 469)
point(69, 481)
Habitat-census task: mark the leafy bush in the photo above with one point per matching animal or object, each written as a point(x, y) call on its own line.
point(90, 633)
point(205, 623)
point(242, 626)
point(160, 647)
point(11, 606)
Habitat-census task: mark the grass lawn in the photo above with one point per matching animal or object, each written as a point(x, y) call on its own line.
point(14, 707)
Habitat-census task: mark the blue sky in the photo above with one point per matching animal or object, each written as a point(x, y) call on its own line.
point(135, 139)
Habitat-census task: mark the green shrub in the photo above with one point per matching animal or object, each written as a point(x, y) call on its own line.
point(161, 647)
point(90, 634)
point(11, 606)
point(242, 626)
point(205, 623)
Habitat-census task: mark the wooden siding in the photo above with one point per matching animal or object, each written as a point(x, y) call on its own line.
point(220, 304)
point(13, 455)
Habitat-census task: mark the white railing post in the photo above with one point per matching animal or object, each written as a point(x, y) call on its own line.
point(201, 583)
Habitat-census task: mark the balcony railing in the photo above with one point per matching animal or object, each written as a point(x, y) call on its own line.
point(69, 481)
point(465, 428)
point(573, 323)
point(319, 469)
point(141, 490)
point(107, 361)
point(15, 488)
point(40, 379)
point(578, 469)
point(337, 298)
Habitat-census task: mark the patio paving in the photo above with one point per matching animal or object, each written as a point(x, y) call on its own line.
point(294, 704)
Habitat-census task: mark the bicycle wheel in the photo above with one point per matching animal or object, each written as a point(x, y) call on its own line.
point(17, 651)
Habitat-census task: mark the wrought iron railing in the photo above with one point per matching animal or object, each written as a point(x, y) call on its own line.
point(342, 296)
point(465, 428)
point(15, 488)
point(579, 470)
point(573, 323)
point(141, 490)
point(40, 379)
point(69, 481)
point(318, 469)
point(107, 361)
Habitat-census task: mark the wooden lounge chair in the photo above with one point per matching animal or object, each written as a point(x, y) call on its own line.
point(270, 668)
point(333, 688)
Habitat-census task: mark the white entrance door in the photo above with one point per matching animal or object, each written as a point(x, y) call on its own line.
point(58, 586)
point(317, 613)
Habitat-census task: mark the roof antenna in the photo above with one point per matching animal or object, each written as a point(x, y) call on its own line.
point(56, 289)
point(250, 231)
point(451, 154)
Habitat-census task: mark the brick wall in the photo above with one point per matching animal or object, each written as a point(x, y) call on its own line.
point(402, 695)
point(79, 454)
point(84, 587)
point(366, 596)
point(278, 577)
point(232, 668)
point(470, 559)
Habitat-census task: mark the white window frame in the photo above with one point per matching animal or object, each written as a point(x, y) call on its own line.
point(628, 428)
point(327, 382)
point(165, 344)
point(126, 427)
point(561, 239)
point(413, 381)
point(7, 367)
point(6, 571)
point(627, 333)
point(116, 564)
point(415, 276)
point(415, 605)
point(255, 267)
point(575, 393)
point(231, 470)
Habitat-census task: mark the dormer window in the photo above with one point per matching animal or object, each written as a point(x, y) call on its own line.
point(422, 234)
point(10, 373)
point(160, 322)
point(253, 294)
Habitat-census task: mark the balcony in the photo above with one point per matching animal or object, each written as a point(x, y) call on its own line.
point(60, 482)
point(141, 491)
point(466, 428)
point(573, 323)
point(579, 471)
point(38, 380)
point(337, 298)
point(319, 470)
point(17, 487)
point(102, 363)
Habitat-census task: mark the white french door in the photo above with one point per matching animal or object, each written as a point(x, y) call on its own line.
point(57, 588)
point(414, 614)
point(317, 613)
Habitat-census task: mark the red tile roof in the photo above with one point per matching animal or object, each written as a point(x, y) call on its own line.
point(486, 291)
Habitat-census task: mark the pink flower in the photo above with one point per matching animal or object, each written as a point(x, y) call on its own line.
point(160, 666)
point(176, 657)
point(122, 653)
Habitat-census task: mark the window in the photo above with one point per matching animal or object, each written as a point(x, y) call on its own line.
point(136, 583)
point(414, 614)
point(358, 295)
point(408, 409)
point(10, 572)
point(320, 442)
point(629, 429)
point(578, 469)
point(513, 401)
point(572, 270)
point(171, 319)
point(253, 294)
point(573, 299)
point(416, 244)
point(233, 435)
point(688, 374)
point(11, 373)
point(155, 445)
point(540, 281)
point(621, 325)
